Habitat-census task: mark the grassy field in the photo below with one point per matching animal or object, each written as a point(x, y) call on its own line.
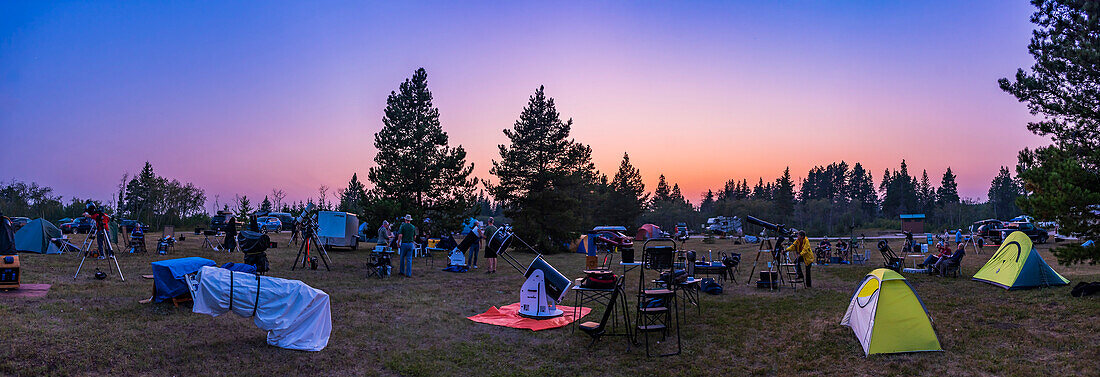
point(418, 327)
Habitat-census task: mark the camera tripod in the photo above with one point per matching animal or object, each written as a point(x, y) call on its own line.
point(309, 238)
point(108, 252)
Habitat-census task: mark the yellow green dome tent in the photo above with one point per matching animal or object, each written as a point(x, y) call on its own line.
point(888, 317)
point(1018, 265)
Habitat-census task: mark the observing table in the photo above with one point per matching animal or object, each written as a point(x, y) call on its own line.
point(715, 268)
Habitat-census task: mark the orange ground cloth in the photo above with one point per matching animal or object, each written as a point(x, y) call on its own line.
point(508, 316)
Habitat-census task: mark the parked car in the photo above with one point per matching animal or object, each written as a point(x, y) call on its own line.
point(19, 222)
point(1033, 232)
point(269, 224)
point(986, 228)
point(67, 227)
point(130, 224)
point(217, 223)
point(286, 219)
point(82, 225)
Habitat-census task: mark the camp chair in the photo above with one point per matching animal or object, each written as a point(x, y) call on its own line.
point(137, 242)
point(951, 265)
point(596, 330)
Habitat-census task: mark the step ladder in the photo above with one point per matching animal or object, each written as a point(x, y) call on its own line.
point(658, 319)
point(790, 269)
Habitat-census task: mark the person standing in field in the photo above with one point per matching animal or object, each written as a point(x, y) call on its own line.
point(405, 236)
point(805, 256)
point(490, 252)
point(230, 241)
point(384, 233)
point(475, 231)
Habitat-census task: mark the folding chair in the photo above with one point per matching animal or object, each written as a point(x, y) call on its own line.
point(596, 330)
point(951, 265)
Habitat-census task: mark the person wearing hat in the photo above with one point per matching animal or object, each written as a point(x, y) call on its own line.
point(384, 234)
point(405, 235)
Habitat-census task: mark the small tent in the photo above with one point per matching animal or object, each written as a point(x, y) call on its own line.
point(35, 237)
point(648, 231)
point(1018, 265)
point(888, 317)
point(583, 246)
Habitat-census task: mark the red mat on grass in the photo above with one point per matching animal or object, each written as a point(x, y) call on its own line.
point(508, 316)
point(27, 291)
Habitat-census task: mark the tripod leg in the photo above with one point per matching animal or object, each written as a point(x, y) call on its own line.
point(80, 266)
point(119, 268)
point(323, 254)
point(300, 249)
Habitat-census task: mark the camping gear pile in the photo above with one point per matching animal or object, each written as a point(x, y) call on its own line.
point(295, 315)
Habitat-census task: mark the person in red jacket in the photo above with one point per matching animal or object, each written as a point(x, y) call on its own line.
point(101, 220)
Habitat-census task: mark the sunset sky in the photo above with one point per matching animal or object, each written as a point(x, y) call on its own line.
point(241, 98)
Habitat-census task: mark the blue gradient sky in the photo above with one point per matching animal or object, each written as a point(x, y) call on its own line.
point(243, 97)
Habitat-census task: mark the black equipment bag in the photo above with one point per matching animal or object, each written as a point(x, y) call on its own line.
point(447, 243)
point(253, 242)
point(675, 277)
point(7, 237)
point(710, 286)
point(599, 279)
point(628, 255)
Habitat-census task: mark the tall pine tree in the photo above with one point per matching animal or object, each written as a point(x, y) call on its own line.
point(627, 199)
point(948, 192)
point(663, 192)
point(416, 169)
point(543, 176)
point(783, 195)
point(1063, 86)
point(1003, 192)
point(353, 199)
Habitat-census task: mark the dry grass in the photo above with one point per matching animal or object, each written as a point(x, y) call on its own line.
point(418, 326)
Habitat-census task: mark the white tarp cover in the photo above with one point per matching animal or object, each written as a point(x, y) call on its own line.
point(295, 315)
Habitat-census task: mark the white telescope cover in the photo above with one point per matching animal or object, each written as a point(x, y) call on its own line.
point(295, 315)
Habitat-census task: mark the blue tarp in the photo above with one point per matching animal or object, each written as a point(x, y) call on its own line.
point(168, 276)
point(240, 267)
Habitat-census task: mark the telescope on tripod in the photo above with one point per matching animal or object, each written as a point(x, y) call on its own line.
point(769, 277)
point(108, 251)
point(778, 229)
point(309, 242)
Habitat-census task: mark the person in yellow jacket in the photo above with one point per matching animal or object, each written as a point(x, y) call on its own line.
point(805, 256)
